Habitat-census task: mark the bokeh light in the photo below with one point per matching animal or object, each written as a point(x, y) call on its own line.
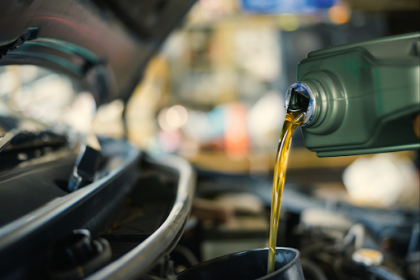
point(339, 14)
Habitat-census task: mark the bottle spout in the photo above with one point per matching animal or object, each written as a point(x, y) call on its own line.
point(300, 98)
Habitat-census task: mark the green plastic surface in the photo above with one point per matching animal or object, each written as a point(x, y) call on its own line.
point(367, 95)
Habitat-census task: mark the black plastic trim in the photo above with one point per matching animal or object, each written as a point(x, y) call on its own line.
point(25, 243)
point(140, 259)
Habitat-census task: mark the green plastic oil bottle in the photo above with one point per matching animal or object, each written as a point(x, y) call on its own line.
point(361, 98)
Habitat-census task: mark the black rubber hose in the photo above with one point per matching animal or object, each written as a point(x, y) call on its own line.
point(311, 270)
point(187, 254)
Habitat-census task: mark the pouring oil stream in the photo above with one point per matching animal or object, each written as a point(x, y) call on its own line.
point(295, 116)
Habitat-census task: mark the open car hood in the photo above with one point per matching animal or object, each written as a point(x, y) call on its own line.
point(103, 44)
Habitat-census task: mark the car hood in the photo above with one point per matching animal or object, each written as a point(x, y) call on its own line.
point(105, 45)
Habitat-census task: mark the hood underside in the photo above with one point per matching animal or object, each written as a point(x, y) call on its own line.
point(105, 45)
